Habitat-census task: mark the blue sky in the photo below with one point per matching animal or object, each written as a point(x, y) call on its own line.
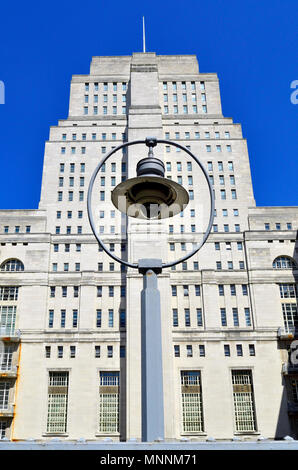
point(252, 46)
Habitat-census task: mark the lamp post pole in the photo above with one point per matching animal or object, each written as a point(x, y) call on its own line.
point(149, 187)
point(151, 350)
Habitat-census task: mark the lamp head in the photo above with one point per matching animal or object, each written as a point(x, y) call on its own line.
point(150, 195)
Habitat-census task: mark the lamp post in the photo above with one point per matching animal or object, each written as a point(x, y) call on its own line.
point(150, 196)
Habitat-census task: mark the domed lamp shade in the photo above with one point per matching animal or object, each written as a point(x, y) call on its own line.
point(150, 195)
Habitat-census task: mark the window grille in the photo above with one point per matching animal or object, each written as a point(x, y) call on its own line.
point(244, 408)
point(3, 426)
point(283, 262)
point(12, 265)
point(57, 402)
point(9, 293)
point(5, 358)
point(288, 291)
point(290, 315)
point(192, 410)
point(4, 392)
point(7, 320)
point(109, 402)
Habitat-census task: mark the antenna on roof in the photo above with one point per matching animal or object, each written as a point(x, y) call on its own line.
point(144, 42)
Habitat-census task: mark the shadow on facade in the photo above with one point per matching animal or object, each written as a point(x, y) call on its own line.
point(289, 375)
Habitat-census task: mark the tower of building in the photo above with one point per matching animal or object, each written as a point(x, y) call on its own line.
point(70, 355)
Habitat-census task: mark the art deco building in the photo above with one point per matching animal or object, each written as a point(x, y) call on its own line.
point(70, 357)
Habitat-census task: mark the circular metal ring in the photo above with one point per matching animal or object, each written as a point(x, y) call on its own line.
point(90, 216)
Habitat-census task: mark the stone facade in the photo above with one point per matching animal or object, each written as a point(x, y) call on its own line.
point(70, 316)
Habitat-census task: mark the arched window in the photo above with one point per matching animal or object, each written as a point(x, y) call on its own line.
point(283, 262)
point(12, 265)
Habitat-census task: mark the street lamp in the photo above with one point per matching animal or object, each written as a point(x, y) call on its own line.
point(150, 196)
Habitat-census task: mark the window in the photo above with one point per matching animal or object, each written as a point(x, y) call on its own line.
point(277, 226)
point(187, 316)
point(235, 317)
point(251, 348)
point(57, 401)
point(289, 226)
point(98, 318)
point(60, 352)
point(198, 290)
point(175, 316)
point(239, 245)
point(244, 289)
point(201, 350)
point(221, 290)
point(234, 194)
point(217, 246)
point(288, 291)
point(247, 316)
point(111, 318)
point(72, 351)
point(176, 350)
point(223, 194)
point(12, 265)
point(239, 350)
point(195, 265)
point(110, 351)
point(63, 318)
point(109, 402)
point(241, 264)
point(223, 317)
point(199, 317)
point(283, 262)
point(100, 266)
point(290, 315)
point(233, 289)
point(111, 291)
point(189, 350)
point(191, 397)
point(244, 408)
point(218, 265)
point(76, 291)
point(227, 350)
point(48, 352)
point(174, 291)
